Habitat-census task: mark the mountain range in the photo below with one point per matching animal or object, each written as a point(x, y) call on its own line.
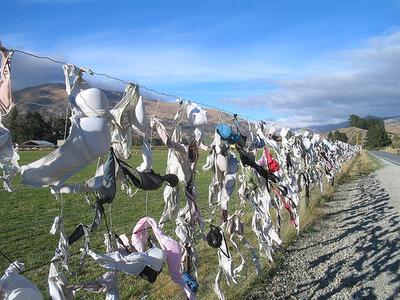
point(50, 99)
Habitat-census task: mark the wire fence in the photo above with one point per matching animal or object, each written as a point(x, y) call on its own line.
point(91, 72)
point(159, 93)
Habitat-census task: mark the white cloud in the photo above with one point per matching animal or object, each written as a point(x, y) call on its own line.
point(368, 86)
point(362, 81)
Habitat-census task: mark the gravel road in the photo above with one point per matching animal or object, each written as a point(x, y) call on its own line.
point(352, 253)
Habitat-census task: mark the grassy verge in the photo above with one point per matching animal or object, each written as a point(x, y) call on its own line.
point(362, 164)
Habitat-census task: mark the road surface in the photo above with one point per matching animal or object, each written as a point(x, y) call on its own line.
point(390, 157)
point(353, 252)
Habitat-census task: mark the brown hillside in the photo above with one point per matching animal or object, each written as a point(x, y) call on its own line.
point(354, 133)
point(393, 128)
point(51, 100)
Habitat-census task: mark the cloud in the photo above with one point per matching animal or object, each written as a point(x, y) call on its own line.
point(369, 85)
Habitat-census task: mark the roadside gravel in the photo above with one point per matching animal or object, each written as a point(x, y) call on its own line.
point(352, 253)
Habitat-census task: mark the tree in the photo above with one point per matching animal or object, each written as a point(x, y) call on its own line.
point(354, 121)
point(56, 129)
point(36, 128)
point(12, 122)
point(330, 136)
point(340, 136)
point(33, 126)
point(377, 135)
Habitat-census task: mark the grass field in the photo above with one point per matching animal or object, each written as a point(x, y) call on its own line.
point(27, 215)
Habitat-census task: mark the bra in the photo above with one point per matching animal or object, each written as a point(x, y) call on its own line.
point(89, 138)
point(147, 180)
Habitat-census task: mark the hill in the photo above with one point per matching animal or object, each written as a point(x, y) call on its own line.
point(51, 100)
point(354, 134)
point(330, 127)
point(392, 125)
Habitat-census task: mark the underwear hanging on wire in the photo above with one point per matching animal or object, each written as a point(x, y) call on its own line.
point(247, 160)
point(147, 180)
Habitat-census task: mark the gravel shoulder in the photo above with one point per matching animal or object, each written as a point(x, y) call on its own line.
point(352, 253)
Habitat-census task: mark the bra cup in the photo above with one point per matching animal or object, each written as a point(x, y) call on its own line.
point(96, 135)
point(145, 166)
point(222, 163)
point(138, 118)
point(140, 112)
point(196, 115)
point(92, 102)
point(156, 253)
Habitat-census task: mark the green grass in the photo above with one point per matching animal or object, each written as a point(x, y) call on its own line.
point(27, 215)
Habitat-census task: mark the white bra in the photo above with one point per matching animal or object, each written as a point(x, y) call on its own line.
point(89, 138)
point(133, 263)
point(8, 158)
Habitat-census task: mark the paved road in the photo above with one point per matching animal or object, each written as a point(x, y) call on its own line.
point(389, 176)
point(393, 158)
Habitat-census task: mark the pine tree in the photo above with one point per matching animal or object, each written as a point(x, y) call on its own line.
point(330, 136)
point(377, 135)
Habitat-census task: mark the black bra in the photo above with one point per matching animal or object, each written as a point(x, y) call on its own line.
point(147, 180)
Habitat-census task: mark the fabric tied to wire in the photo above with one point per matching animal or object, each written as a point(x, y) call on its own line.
point(108, 283)
point(6, 100)
point(177, 163)
point(170, 246)
point(225, 267)
point(131, 263)
point(89, 139)
point(57, 280)
point(14, 286)
point(235, 230)
point(8, 158)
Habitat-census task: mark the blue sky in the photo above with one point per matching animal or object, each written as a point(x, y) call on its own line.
point(298, 62)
